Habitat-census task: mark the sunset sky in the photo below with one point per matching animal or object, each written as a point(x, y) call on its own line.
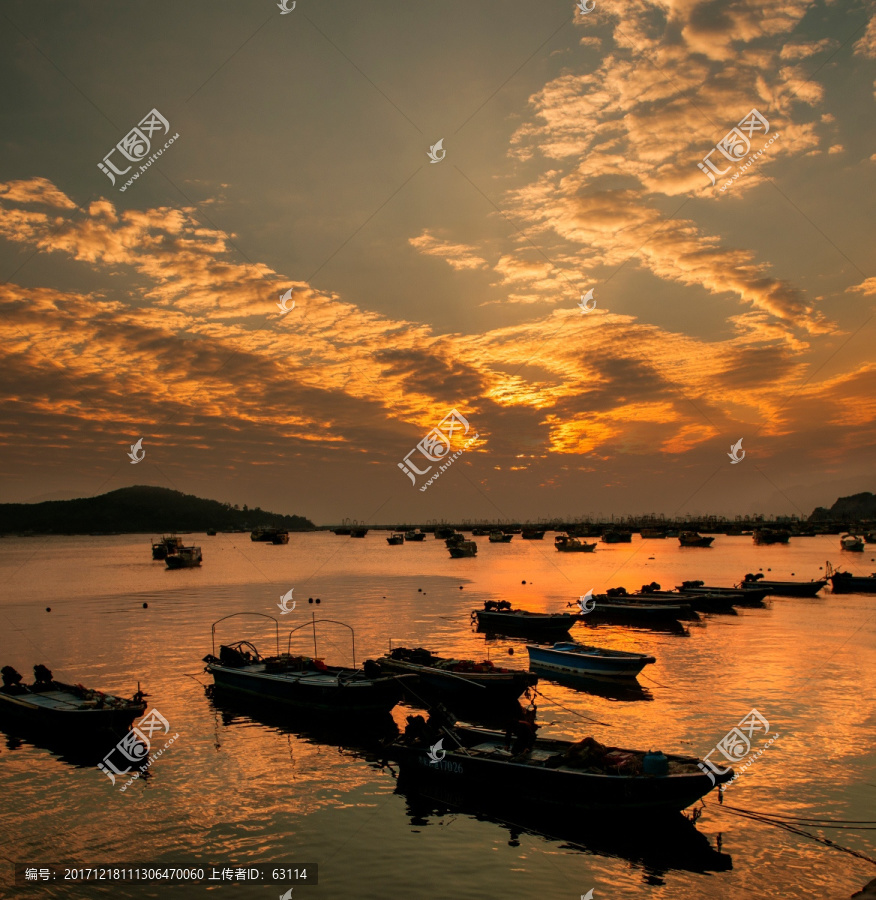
point(572, 146)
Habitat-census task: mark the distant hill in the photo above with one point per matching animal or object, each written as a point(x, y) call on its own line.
point(137, 509)
point(847, 509)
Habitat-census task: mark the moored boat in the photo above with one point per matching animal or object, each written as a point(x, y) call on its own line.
point(616, 536)
point(771, 536)
point(846, 583)
point(305, 683)
point(76, 710)
point(566, 544)
point(415, 536)
point(499, 616)
point(358, 532)
point(499, 537)
point(581, 775)
point(269, 535)
point(184, 558)
point(532, 534)
point(621, 607)
point(462, 549)
point(652, 533)
point(852, 543)
point(459, 679)
point(782, 588)
point(694, 539)
point(396, 538)
point(572, 658)
point(751, 597)
point(444, 532)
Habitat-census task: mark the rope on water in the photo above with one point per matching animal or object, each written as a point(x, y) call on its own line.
point(809, 819)
point(648, 678)
point(769, 819)
point(566, 708)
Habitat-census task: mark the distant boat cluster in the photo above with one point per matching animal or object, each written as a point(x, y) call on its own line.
point(570, 541)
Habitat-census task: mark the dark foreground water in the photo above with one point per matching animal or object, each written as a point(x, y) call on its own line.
point(238, 788)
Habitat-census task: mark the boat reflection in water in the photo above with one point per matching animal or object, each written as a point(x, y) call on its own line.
point(676, 845)
point(627, 690)
point(361, 737)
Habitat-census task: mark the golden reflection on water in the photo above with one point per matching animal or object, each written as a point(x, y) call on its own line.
point(238, 782)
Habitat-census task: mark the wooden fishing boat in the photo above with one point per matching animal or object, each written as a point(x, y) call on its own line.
point(270, 535)
point(625, 609)
point(444, 532)
point(852, 543)
point(167, 543)
point(572, 658)
point(458, 679)
point(76, 711)
point(396, 538)
point(701, 601)
point(499, 537)
point(532, 534)
point(583, 775)
point(303, 682)
point(846, 583)
point(782, 588)
point(616, 536)
point(506, 620)
point(771, 536)
point(566, 544)
point(694, 539)
point(652, 533)
point(751, 597)
point(463, 549)
point(358, 532)
point(415, 536)
point(184, 558)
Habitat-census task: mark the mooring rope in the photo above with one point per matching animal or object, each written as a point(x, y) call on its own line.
point(770, 819)
point(572, 711)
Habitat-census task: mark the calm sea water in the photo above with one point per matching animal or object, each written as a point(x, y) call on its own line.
point(235, 789)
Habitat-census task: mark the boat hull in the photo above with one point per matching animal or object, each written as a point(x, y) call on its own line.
point(561, 788)
point(470, 687)
point(180, 562)
point(570, 663)
point(650, 612)
point(788, 588)
point(27, 709)
point(534, 623)
point(312, 693)
point(853, 584)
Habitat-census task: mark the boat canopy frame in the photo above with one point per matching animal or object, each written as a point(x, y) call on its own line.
point(263, 615)
point(313, 623)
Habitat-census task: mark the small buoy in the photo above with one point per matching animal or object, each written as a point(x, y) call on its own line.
point(384, 596)
point(510, 651)
point(48, 609)
point(310, 599)
point(460, 587)
point(523, 582)
point(419, 590)
point(794, 573)
point(145, 606)
point(318, 600)
point(769, 570)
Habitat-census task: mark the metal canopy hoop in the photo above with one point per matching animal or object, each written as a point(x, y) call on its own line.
point(313, 623)
point(263, 615)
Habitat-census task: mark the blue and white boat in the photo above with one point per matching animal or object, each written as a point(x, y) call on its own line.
point(572, 658)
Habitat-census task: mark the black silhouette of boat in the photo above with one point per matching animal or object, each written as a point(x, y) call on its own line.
point(303, 682)
point(71, 709)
